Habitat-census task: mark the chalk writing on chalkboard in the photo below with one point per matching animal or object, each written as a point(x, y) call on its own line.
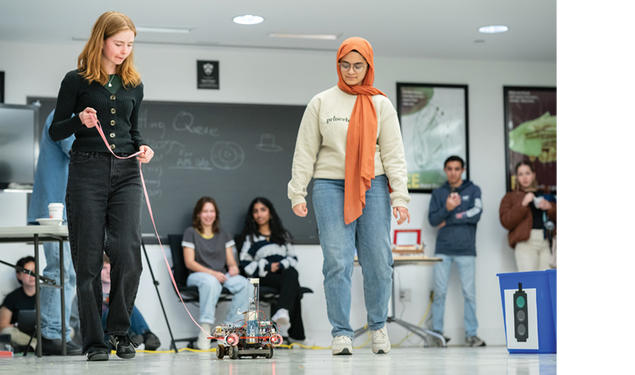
point(268, 143)
point(231, 152)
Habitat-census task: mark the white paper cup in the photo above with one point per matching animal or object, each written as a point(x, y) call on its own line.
point(56, 211)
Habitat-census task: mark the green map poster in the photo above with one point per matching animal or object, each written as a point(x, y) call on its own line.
point(530, 133)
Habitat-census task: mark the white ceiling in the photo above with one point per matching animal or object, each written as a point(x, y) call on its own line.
point(445, 29)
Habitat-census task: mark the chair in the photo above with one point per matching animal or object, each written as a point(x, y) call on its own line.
point(268, 295)
point(190, 293)
point(180, 272)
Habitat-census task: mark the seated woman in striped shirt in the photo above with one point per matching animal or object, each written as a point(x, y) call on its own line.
point(267, 253)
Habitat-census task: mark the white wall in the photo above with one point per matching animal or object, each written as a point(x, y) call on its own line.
point(293, 77)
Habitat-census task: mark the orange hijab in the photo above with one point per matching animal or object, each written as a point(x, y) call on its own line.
point(362, 131)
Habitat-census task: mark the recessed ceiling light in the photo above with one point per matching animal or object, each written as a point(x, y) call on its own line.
point(248, 19)
point(304, 36)
point(174, 30)
point(493, 29)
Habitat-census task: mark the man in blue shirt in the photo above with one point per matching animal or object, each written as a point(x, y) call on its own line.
point(455, 208)
point(51, 176)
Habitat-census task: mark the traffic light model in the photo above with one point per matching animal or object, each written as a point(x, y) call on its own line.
point(521, 328)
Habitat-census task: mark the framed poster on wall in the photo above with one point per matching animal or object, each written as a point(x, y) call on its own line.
point(434, 125)
point(530, 133)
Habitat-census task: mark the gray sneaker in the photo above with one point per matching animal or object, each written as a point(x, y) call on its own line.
point(474, 341)
point(436, 342)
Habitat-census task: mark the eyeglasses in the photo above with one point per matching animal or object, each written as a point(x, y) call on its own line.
point(358, 67)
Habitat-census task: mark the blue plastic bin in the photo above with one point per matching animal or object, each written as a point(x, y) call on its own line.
point(541, 304)
point(552, 276)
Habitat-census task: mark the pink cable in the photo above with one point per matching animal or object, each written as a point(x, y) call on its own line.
point(145, 193)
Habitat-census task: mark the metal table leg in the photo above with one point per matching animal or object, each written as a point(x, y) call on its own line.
point(63, 305)
point(38, 317)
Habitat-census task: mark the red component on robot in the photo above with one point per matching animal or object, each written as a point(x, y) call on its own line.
point(232, 339)
point(254, 337)
point(276, 339)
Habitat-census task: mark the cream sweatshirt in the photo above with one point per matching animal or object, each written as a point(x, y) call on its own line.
point(320, 149)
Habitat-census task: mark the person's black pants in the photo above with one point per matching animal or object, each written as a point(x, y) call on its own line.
point(287, 283)
point(103, 200)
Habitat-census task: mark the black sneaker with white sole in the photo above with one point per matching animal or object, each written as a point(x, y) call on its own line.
point(100, 354)
point(151, 341)
point(124, 347)
point(54, 347)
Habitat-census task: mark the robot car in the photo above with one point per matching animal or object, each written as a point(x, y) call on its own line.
point(253, 337)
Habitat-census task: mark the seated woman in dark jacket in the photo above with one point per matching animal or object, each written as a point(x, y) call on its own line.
point(267, 253)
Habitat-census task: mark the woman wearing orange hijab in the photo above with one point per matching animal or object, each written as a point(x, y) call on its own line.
point(350, 143)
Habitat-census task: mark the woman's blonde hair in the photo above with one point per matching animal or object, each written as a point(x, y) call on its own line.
point(89, 61)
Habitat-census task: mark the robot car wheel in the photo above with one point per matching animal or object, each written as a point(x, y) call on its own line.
point(220, 351)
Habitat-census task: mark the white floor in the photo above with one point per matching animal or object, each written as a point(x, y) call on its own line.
point(406, 361)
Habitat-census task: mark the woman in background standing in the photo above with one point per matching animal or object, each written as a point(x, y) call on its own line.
point(530, 218)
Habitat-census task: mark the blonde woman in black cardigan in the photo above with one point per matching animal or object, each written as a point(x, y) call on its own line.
point(103, 196)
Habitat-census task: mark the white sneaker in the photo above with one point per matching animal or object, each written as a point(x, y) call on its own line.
point(342, 345)
point(381, 342)
point(203, 343)
point(283, 330)
point(281, 317)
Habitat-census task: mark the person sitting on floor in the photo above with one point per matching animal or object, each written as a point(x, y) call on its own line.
point(139, 330)
point(267, 253)
point(22, 298)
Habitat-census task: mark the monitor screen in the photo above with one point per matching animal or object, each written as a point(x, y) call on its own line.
point(17, 141)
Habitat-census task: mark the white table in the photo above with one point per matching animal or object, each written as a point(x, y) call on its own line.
point(37, 234)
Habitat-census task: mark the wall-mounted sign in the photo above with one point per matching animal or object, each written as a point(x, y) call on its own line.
point(207, 73)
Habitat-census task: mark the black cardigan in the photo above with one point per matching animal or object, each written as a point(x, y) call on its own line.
point(118, 114)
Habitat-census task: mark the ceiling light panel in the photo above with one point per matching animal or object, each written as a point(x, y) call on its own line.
point(248, 19)
point(493, 29)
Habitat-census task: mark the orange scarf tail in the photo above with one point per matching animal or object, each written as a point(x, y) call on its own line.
point(361, 137)
point(360, 157)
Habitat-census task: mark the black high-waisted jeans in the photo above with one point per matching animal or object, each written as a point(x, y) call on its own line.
point(103, 202)
point(286, 281)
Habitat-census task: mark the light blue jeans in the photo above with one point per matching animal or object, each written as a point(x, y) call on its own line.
point(370, 236)
point(50, 297)
point(466, 266)
point(209, 290)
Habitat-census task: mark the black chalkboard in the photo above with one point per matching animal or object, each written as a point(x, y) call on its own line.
point(231, 152)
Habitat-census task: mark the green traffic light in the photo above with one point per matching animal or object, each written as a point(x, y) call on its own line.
point(520, 301)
